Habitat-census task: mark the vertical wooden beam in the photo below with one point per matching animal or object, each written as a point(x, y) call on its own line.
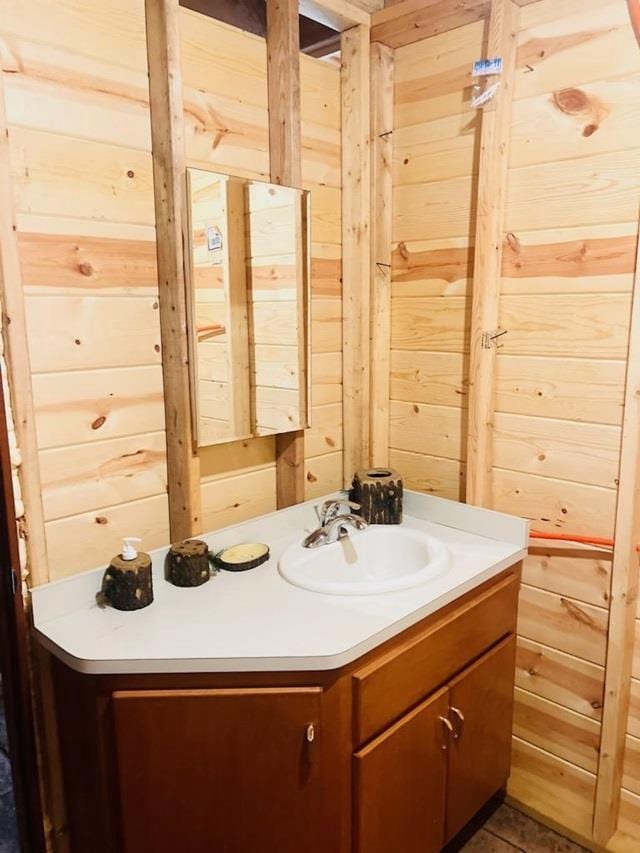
point(235, 285)
point(165, 94)
point(283, 73)
point(356, 253)
point(382, 59)
point(492, 180)
point(624, 594)
point(14, 330)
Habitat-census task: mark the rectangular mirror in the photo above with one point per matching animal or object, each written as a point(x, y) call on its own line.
point(248, 272)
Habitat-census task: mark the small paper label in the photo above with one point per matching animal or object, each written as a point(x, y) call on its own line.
point(214, 238)
point(484, 67)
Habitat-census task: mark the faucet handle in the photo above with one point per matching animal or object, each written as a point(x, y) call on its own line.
point(332, 509)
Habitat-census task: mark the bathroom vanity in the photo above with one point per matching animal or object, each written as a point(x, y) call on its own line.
point(250, 714)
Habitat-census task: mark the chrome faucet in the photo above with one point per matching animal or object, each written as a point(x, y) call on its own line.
point(334, 523)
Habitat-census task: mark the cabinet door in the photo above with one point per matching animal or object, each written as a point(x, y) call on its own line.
point(400, 780)
point(481, 714)
point(231, 771)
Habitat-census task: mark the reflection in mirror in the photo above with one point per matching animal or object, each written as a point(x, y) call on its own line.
point(248, 270)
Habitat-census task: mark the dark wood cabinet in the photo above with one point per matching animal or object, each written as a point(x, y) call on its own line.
point(232, 770)
point(394, 752)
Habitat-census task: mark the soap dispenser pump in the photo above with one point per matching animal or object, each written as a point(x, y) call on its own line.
point(128, 582)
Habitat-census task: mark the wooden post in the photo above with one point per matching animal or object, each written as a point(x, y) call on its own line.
point(356, 254)
point(235, 285)
point(14, 330)
point(165, 94)
point(283, 72)
point(381, 223)
point(624, 594)
point(492, 182)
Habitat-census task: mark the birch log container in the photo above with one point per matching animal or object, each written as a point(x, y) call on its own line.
point(189, 563)
point(379, 493)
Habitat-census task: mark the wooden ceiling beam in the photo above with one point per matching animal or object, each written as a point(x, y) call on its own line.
point(338, 14)
point(413, 20)
point(251, 16)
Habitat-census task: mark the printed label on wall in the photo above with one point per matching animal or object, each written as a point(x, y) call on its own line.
point(484, 67)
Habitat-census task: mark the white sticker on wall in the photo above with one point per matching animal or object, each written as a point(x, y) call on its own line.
point(484, 67)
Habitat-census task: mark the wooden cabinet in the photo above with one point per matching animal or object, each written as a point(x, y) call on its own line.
point(424, 778)
point(232, 770)
point(400, 784)
point(394, 752)
point(481, 715)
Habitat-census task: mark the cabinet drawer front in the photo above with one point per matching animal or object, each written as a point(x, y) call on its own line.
point(384, 689)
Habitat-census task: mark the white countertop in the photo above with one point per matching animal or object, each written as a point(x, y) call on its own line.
point(256, 621)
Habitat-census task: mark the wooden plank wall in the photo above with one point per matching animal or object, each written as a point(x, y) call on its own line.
point(435, 155)
point(76, 86)
point(227, 129)
point(573, 195)
point(573, 191)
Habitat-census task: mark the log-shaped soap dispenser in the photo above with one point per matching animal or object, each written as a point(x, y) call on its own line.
point(127, 583)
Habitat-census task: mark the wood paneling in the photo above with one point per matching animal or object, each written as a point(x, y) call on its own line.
point(431, 474)
point(562, 678)
point(430, 323)
point(84, 209)
point(417, 426)
point(554, 505)
point(409, 21)
point(583, 453)
point(552, 787)
point(577, 389)
point(82, 477)
point(433, 76)
point(429, 377)
point(570, 626)
point(581, 325)
point(569, 735)
point(436, 140)
point(569, 573)
point(568, 244)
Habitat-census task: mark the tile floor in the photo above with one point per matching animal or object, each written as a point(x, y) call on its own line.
point(8, 830)
point(511, 831)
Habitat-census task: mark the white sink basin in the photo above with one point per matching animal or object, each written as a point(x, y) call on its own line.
point(379, 559)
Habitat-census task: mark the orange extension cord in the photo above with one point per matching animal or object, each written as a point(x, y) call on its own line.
point(598, 541)
point(570, 537)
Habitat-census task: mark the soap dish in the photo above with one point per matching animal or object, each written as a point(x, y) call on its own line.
point(240, 558)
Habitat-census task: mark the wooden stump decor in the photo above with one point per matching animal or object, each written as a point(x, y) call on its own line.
point(189, 563)
point(127, 584)
point(379, 493)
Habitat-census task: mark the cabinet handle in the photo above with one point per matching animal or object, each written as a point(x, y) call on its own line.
point(457, 731)
point(310, 736)
point(448, 730)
